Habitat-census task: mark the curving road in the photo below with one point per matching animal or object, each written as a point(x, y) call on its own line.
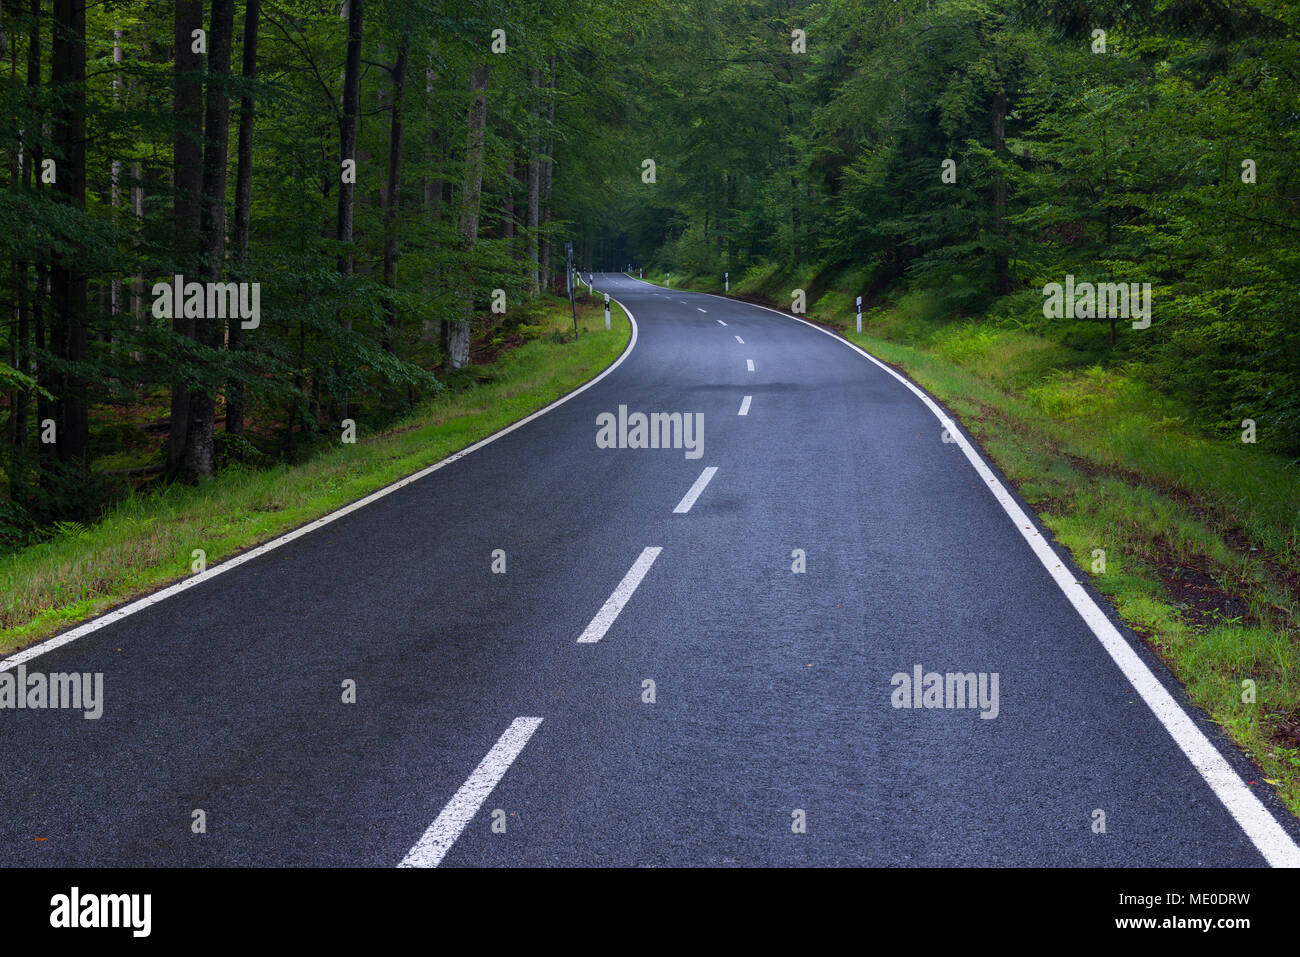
point(773, 736)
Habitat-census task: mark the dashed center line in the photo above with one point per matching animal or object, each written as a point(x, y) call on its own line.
point(430, 849)
point(689, 498)
point(701, 310)
point(749, 364)
point(740, 340)
point(721, 323)
point(744, 406)
point(614, 604)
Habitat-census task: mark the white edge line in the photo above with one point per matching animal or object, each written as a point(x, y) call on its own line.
point(615, 602)
point(430, 849)
point(744, 406)
point(1263, 830)
point(117, 614)
point(693, 493)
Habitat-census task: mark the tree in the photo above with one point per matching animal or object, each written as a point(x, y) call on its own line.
point(67, 281)
point(471, 194)
point(187, 178)
point(243, 199)
point(212, 234)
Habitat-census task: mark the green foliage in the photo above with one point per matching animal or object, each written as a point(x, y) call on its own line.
point(1123, 166)
point(364, 341)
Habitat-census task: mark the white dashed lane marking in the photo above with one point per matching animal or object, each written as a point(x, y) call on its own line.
point(614, 604)
point(430, 849)
point(689, 498)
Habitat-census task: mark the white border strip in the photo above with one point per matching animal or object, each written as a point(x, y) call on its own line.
point(430, 849)
point(117, 614)
point(1268, 836)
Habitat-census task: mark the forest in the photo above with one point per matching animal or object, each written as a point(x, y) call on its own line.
point(364, 180)
point(982, 152)
point(226, 229)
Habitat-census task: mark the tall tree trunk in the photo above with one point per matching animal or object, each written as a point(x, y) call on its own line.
point(243, 201)
point(348, 151)
point(1001, 270)
point(544, 170)
point(137, 282)
point(39, 367)
point(21, 398)
point(187, 162)
point(722, 218)
point(394, 192)
point(459, 340)
point(18, 165)
point(508, 217)
point(212, 230)
point(115, 172)
point(348, 131)
point(68, 283)
point(27, 307)
point(433, 188)
point(534, 187)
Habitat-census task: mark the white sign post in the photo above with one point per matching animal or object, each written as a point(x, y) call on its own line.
point(670, 280)
point(607, 312)
point(859, 314)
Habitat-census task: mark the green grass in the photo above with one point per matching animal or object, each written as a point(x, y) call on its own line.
point(147, 541)
point(1201, 535)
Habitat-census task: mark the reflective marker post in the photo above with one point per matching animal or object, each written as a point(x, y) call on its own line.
point(859, 314)
point(607, 312)
point(726, 282)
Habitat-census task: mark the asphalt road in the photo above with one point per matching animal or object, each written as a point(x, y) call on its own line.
point(772, 688)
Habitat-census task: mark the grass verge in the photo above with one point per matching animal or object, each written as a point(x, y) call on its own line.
point(146, 542)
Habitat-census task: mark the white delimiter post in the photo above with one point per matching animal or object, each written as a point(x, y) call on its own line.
point(607, 312)
point(859, 315)
point(726, 282)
